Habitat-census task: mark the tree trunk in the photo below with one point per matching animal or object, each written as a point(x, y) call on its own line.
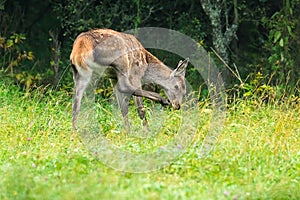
point(56, 57)
point(222, 37)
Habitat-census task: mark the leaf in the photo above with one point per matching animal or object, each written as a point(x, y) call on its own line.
point(289, 30)
point(30, 55)
point(9, 43)
point(281, 43)
point(277, 35)
point(247, 94)
point(291, 11)
point(19, 77)
point(22, 37)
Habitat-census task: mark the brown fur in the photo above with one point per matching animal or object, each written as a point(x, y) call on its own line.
point(85, 44)
point(95, 49)
point(82, 47)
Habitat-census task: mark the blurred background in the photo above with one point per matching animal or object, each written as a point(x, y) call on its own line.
point(258, 40)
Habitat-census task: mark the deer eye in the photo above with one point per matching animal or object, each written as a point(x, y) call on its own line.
point(176, 87)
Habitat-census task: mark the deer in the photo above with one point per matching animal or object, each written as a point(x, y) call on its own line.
point(99, 49)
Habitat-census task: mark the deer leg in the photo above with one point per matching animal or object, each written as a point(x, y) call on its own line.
point(125, 86)
point(141, 110)
point(151, 95)
point(123, 101)
point(139, 102)
point(80, 85)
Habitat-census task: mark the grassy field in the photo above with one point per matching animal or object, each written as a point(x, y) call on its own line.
point(257, 155)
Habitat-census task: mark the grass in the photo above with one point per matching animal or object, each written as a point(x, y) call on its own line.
point(257, 155)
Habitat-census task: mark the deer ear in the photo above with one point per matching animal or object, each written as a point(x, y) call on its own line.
point(180, 69)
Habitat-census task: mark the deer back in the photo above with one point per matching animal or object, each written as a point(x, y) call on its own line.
point(104, 47)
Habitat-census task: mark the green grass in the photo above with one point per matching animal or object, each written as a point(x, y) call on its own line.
point(257, 155)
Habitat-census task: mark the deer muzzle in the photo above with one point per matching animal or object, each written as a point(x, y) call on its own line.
point(175, 105)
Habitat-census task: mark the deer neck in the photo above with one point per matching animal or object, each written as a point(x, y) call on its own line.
point(157, 72)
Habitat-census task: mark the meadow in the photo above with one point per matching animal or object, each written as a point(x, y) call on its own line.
point(257, 155)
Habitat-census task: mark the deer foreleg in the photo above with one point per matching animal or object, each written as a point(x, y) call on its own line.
point(125, 86)
point(141, 110)
point(123, 101)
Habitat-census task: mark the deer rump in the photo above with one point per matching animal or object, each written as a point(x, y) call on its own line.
point(95, 50)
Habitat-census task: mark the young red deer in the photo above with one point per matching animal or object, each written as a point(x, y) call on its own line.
point(97, 49)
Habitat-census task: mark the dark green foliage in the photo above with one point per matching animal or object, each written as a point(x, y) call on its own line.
point(283, 43)
point(36, 36)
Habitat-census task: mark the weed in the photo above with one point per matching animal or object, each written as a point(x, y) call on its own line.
point(257, 155)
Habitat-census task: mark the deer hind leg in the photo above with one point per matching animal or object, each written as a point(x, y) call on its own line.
point(81, 82)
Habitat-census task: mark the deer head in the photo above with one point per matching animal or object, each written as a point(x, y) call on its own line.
point(176, 88)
